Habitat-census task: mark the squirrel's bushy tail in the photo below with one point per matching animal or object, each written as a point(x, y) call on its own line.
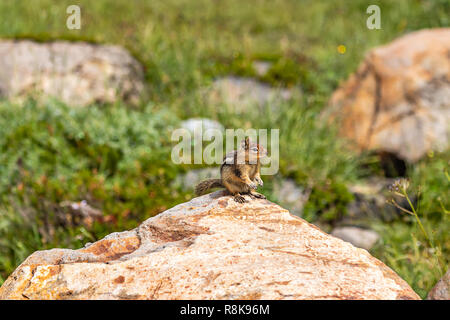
point(205, 185)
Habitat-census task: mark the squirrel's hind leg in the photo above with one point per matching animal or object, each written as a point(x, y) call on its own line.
point(234, 191)
point(239, 198)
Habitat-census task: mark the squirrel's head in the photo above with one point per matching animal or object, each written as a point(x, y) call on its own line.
point(253, 150)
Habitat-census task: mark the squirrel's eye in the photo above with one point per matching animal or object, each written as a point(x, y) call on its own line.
point(255, 149)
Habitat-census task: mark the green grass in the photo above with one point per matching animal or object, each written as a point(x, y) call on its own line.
point(119, 159)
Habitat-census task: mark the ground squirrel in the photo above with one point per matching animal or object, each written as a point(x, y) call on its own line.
point(239, 172)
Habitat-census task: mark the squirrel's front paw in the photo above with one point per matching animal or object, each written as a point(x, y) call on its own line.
point(253, 186)
point(239, 198)
point(259, 181)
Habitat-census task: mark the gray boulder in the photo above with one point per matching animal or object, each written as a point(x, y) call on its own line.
point(361, 238)
point(77, 73)
point(240, 93)
point(189, 180)
point(291, 196)
point(205, 124)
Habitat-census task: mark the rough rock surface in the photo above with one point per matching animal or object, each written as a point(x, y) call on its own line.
point(76, 73)
point(398, 100)
point(441, 291)
point(210, 248)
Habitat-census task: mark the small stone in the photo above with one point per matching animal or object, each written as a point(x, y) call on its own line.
point(201, 123)
point(261, 67)
point(241, 93)
point(441, 291)
point(361, 238)
point(87, 244)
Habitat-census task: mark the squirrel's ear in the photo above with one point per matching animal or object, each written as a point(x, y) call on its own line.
point(247, 142)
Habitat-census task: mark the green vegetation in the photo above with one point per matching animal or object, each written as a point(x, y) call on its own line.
point(418, 246)
point(118, 159)
point(114, 158)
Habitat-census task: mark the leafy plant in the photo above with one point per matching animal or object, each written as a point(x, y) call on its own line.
point(400, 188)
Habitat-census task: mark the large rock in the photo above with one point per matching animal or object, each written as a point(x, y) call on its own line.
point(398, 100)
point(210, 248)
point(76, 73)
